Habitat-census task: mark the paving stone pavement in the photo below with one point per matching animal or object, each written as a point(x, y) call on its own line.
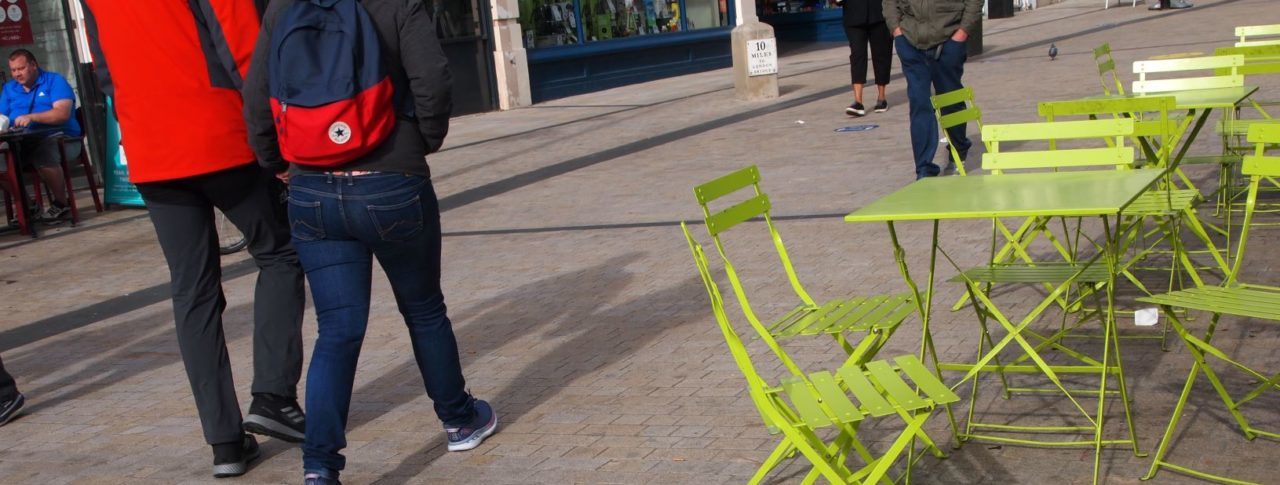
point(577, 309)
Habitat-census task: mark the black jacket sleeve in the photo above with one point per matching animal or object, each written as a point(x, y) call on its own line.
point(428, 71)
point(100, 70)
point(257, 100)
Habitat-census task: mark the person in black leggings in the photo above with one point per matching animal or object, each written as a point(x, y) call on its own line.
point(863, 24)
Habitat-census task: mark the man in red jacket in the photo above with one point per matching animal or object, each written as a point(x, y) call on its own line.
point(175, 69)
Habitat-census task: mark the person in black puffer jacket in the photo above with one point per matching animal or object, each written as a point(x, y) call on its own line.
point(864, 23)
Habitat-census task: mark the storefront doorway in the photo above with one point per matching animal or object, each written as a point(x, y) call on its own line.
point(464, 31)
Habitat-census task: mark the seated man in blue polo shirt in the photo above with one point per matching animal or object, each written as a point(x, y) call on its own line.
point(38, 99)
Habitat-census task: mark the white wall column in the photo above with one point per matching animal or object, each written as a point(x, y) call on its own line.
point(511, 62)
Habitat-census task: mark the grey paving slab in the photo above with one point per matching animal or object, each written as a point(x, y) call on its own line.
point(577, 310)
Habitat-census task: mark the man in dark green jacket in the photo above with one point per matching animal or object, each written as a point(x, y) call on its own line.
point(930, 37)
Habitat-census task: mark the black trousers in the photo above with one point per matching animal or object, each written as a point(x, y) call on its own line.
point(881, 41)
point(8, 388)
point(182, 213)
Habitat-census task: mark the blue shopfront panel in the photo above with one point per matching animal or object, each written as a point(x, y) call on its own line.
point(557, 72)
point(816, 26)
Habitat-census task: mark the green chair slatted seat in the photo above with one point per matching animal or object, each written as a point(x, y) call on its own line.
point(874, 317)
point(856, 393)
point(1232, 298)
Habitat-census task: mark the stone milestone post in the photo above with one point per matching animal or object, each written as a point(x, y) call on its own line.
point(755, 55)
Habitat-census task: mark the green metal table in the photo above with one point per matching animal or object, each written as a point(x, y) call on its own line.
point(1101, 194)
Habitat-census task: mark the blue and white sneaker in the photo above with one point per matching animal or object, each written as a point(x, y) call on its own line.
point(470, 435)
point(318, 478)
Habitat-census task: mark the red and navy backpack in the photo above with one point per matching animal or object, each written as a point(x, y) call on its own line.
point(330, 95)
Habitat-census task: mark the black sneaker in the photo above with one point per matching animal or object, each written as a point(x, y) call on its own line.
point(54, 214)
point(855, 109)
point(882, 106)
point(470, 435)
point(232, 459)
point(9, 409)
point(277, 417)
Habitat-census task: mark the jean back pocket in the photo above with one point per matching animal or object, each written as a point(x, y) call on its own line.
point(397, 222)
point(305, 220)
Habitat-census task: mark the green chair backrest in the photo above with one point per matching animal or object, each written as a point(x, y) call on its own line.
point(718, 221)
point(1186, 65)
point(1107, 68)
point(1270, 35)
point(1117, 154)
point(1257, 60)
point(1150, 116)
point(969, 113)
point(755, 206)
point(1257, 167)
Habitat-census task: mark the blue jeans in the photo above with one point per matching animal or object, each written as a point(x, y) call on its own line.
point(339, 225)
point(940, 69)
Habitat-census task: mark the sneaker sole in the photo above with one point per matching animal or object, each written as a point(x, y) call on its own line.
point(477, 438)
point(878, 110)
point(12, 411)
point(262, 425)
point(851, 112)
point(227, 470)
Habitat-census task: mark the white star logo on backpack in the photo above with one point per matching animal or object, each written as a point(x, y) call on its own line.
point(339, 133)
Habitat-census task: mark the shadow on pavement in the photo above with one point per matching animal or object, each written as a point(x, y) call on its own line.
point(598, 333)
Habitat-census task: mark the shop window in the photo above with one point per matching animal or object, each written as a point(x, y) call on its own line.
point(770, 7)
point(550, 23)
point(704, 14)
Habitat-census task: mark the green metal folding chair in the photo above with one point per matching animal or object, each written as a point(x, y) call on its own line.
point(1013, 262)
point(801, 404)
point(1232, 298)
point(952, 109)
point(1107, 69)
point(875, 317)
point(1087, 274)
point(1014, 249)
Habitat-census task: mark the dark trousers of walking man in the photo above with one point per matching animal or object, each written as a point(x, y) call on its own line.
point(938, 69)
point(182, 212)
